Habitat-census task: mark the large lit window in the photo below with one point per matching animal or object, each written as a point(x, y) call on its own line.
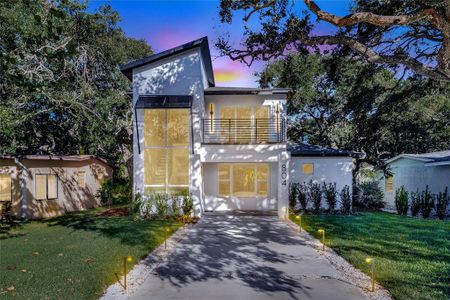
point(166, 154)
point(5, 187)
point(243, 180)
point(46, 186)
point(389, 184)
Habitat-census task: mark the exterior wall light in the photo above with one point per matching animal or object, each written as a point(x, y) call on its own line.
point(322, 231)
point(371, 261)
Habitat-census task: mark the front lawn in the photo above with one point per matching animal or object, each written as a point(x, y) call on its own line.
point(412, 256)
point(75, 256)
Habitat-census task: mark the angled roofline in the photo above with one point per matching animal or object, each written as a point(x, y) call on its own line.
point(408, 156)
point(245, 91)
point(127, 69)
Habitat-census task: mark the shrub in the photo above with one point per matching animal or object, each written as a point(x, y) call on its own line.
point(135, 205)
point(115, 191)
point(303, 196)
point(176, 205)
point(161, 205)
point(188, 205)
point(370, 196)
point(442, 202)
point(401, 201)
point(293, 192)
point(315, 195)
point(330, 193)
point(426, 203)
point(346, 200)
point(415, 203)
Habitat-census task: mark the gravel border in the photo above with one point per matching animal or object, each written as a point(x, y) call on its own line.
point(144, 268)
point(347, 272)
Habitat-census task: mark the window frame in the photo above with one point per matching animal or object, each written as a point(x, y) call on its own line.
point(387, 183)
point(10, 187)
point(166, 187)
point(303, 168)
point(256, 180)
point(84, 178)
point(46, 186)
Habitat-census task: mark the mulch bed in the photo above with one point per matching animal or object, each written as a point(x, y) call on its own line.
point(114, 212)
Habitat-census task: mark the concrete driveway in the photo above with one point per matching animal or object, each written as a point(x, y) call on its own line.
point(237, 256)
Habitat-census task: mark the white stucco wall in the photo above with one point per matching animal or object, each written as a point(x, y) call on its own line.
point(413, 175)
point(176, 75)
point(328, 169)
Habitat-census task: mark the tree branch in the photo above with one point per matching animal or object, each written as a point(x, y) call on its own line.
point(428, 14)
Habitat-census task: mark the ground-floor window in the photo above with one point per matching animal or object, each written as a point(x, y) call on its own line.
point(166, 154)
point(5, 187)
point(243, 180)
point(46, 186)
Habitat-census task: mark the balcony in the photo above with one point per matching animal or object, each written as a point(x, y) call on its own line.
point(243, 131)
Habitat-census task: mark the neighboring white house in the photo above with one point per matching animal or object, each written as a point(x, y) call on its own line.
point(416, 171)
point(226, 145)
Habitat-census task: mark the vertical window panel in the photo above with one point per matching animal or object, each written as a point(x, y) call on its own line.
point(155, 127)
point(224, 180)
point(262, 175)
point(155, 166)
point(178, 166)
point(5, 187)
point(178, 127)
point(262, 123)
point(81, 180)
point(52, 186)
point(244, 180)
point(243, 124)
point(41, 187)
point(227, 123)
point(390, 184)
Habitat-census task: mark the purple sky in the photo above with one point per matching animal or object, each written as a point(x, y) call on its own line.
point(166, 24)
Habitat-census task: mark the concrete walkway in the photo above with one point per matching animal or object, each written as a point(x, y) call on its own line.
point(234, 256)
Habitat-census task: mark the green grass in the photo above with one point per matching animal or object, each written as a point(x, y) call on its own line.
point(75, 256)
point(412, 256)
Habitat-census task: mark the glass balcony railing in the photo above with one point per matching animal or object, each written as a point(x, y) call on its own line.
point(243, 131)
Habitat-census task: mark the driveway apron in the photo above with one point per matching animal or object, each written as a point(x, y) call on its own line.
point(245, 256)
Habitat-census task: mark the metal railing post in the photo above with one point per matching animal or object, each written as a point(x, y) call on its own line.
point(256, 130)
point(229, 130)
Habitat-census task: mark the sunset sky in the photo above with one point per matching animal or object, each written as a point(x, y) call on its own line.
point(166, 24)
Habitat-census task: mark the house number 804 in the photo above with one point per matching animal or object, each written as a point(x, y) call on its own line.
point(283, 174)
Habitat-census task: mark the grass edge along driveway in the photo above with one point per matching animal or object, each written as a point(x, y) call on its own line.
point(412, 256)
point(75, 256)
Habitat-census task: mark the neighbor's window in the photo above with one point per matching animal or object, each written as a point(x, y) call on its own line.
point(243, 180)
point(166, 154)
point(81, 179)
point(308, 168)
point(389, 184)
point(5, 187)
point(46, 186)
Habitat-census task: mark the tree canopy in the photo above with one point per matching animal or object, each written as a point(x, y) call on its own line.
point(61, 90)
point(337, 102)
point(413, 34)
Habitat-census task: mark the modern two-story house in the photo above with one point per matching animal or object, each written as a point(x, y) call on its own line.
point(226, 145)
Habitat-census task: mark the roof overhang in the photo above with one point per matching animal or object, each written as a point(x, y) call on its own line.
point(201, 43)
point(406, 156)
point(164, 101)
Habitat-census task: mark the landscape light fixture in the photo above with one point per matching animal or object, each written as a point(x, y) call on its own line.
point(125, 259)
point(322, 231)
point(371, 261)
point(299, 218)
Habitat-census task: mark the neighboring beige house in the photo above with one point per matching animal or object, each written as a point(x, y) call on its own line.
point(41, 186)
